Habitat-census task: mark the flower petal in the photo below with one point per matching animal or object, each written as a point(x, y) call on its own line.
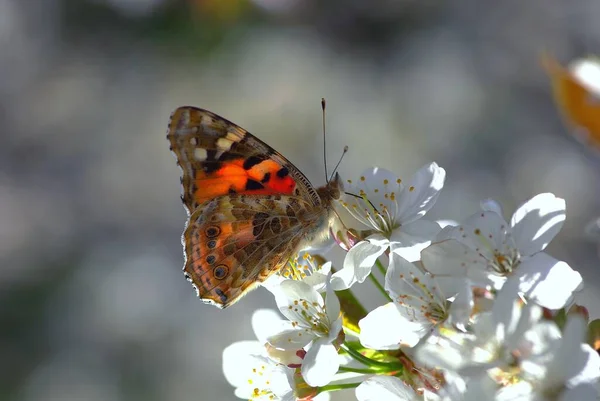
point(320, 364)
point(490, 205)
point(292, 339)
point(378, 184)
point(409, 240)
point(358, 262)
point(318, 278)
point(537, 222)
point(420, 193)
point(332, 303)
point(547, 281)
point(462, 306)
point(267, 322)
point(387, 328)
point(486, 232)
point(380, 388)
point(411, 286)
point(293, 295)
point(452, 258)
point(238, 361)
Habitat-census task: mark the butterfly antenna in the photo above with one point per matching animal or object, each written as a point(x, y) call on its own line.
point(339, 161)
point(324, 141)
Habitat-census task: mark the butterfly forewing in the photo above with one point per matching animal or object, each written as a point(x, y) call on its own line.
point(218, 157)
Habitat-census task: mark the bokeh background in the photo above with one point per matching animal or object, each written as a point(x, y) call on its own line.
point(93, 304)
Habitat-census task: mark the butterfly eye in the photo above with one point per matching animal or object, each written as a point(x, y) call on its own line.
point(212, 231)
point(211, 244)
point(220, 272)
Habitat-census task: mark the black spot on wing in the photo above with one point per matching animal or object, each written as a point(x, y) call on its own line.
point(221, 295)
point(211, 154)
point(266, 178)
point(220, 272)
point(251, 162)
point(226, 156)
point(253, 184)
point(282, 172)
point(211, 166)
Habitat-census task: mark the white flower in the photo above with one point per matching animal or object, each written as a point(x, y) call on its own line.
point(568, 368)
point(385, 388)
point(256, 376)
point(419, 304)
point(457, 388)
point(497, 340)
point(488, 251)
point(251, 371)
point(314, 321)
point(393, 209)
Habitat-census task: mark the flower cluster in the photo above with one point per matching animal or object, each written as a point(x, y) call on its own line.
point(474, 310)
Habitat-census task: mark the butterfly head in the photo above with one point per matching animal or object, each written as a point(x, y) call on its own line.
point(333, 190)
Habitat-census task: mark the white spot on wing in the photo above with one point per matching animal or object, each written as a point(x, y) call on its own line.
point(232, 136)
point(224, 144)
point(200, 154)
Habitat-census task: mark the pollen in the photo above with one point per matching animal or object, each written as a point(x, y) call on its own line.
point(398, 181)
point(411, 188)
point(385, 182)
point(477, 231)
point(362, 178)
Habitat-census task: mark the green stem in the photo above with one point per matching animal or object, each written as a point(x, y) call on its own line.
point(337, 387)
point(379, 286)
point(382, 269)
point(358, 370)
point(363, 359)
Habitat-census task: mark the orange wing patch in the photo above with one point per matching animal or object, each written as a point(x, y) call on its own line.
point(576, 101)
point(244, 176)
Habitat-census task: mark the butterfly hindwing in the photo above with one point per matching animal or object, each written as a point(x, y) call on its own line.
point(236, 241)
point(218, 157)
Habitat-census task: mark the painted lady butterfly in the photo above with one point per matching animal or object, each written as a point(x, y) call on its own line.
point(249, 208)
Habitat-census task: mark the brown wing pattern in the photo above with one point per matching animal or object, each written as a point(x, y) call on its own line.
point(235, 242)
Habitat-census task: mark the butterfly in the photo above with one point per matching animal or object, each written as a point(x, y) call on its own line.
point(249, 209)
point(575, 99)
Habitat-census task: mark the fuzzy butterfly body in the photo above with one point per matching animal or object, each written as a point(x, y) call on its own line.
point(250, 209)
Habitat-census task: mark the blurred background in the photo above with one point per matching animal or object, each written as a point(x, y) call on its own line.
point(93, 304)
